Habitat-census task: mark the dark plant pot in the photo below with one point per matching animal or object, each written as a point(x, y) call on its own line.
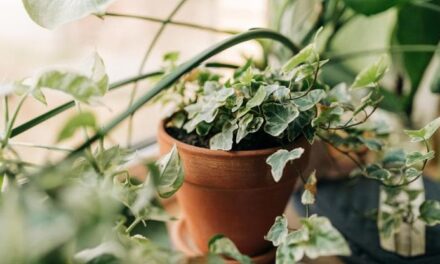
point(232, 192)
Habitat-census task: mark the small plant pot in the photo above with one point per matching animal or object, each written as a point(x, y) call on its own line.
point(232, 192)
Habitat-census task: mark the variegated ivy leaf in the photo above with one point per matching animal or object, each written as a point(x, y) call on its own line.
point(339, 94)
point(278, 117)
point(281, 93)
point(207, 114)
point(430, 212)
point(222, 245)
point(394, 158)
point(424, 133)
point(328, 116)
point(390, 223)
point(225, 139)
point(307, 54)
point(83, 88)
point(296, 127)
point(53, 13)
point(247, 125)
point(279, 159)
point(278, 232)
point(370, 75)
point(78, 121)
point(168, 174)
point(308, 196)
point(415, 157)
point(412, 173)
point(308, 101)
point(21, 89)
point(371, 143)
point(258, 98)
point(375, 171)
point(324, 239)
point(288, 254)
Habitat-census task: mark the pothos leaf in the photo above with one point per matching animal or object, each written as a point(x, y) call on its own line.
point(80, 120)
point(219, 244)
point(430, 212)
point(168, 174)
point(53, 13)
point(278, 117)
point(370, 75)
point(278, 161)
point(278, 232)
point(225, 139)
point(424, 133)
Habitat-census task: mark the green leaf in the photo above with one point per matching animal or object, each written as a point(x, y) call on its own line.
point(278, 117)
point(308, 196)
point(394, 158)
point(80, 120)
point(53, 13)
point(424, 133)
point(370, 75)
point(35, 92)
point(371, 143)
point(278, 232)
point(412, 173)
point(278, 161)
point(296, 127)
point(288, 254)
point(248, 124)
point(307, 54)
point(258, 98)
point(430, 212)
point(81, 87)
point(415, 157)
point(222, 245)
point(374, 171)
point(168, 174)
point(371, 7)
point(225, 139)
point(390, 223)
point(308, 101)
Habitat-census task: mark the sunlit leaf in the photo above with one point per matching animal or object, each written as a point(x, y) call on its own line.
point(370, 75)
point(416, 157)
point(424, 133)
point(168, 175)
point(305, 55)
point(78, 121)
point(279, 159)
point(222, 245)
point(53, 13)
point(308, 101)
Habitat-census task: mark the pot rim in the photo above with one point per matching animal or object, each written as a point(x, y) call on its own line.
point(162, 133)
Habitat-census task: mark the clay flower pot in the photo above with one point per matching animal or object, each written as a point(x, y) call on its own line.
point(232, 192)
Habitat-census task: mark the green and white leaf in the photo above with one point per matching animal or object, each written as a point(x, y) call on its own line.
point(375, 171)
point(371, 75)
point(424, 133)
point(308, 101)
point(168, 174)
point(430, 212)
point(53, 13)
point(278, 117)
point(279, 159)
point(278, 232)
point(247, 125)
point(258, 98)
point(415, 157)
point(308, 197)
point(225, 139)
point(222, 245)
point(78, 121)
point(307, 54)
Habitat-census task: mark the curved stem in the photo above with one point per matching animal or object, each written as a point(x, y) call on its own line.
point(142, 65)
point(32, 145)
point(170, 78)
point(335, 57)
point(175, 23)
point(12, 121)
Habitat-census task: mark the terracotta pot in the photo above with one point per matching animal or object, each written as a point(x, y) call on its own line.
point(232, 192)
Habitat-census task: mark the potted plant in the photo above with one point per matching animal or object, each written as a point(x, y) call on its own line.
point(245, 141)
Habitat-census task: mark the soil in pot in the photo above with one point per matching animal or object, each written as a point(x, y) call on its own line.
point(232, 192)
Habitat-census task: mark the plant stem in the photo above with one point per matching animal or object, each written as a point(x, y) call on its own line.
point(6, 110)
point(173, 76)
point(335, 57)
point(173, 22)
point(12, 121)
point(31, 145)
point(143, 62)
point(134, 224)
